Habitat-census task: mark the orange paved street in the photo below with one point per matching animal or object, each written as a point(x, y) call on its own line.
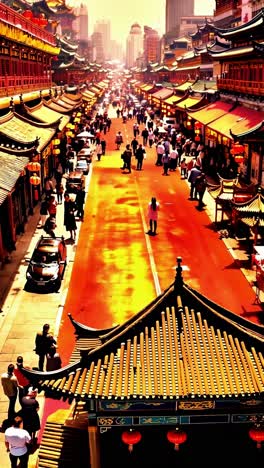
point(118, 268)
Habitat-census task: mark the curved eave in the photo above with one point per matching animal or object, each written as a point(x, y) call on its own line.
point(29, 144)
point(81, 329)
point(245, 28)
point(235, 52)
point(249, 132)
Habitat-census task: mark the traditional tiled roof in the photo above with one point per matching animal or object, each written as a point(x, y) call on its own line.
point(55, 106)
point(11, 166)
point(25, 131)
point(252, 211)
point(248, 28)
point(45, 114)
point(180, 347)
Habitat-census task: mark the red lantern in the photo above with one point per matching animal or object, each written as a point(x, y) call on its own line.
point(131, 438)
point(28, 14)
point(197, 138)
point(177, 436)
point(35, 20)
point(256, 433)
point(237, 149)
point(33, 166)
point(239, 158)
point(197, 125)
point(34, 179)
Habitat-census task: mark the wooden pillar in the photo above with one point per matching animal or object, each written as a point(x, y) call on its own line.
point(94, 446)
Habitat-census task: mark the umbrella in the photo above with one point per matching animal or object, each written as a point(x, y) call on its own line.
point(161, 130)
point(85, 134)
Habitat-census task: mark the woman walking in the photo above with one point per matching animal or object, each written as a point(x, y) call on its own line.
point(153, 208)
point(69, 218)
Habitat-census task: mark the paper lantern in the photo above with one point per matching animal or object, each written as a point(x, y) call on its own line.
point(56, 151)
point(177, 437)
point(256, 434)
point(33, 166)
point(239, 158)
point(34, 179)
point(197, 125)
point(28, 14)
point(56, 142)
point(131, 438)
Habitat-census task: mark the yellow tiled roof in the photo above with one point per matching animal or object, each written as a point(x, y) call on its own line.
point(45, 114)
point(25, 131)
point(169, 352)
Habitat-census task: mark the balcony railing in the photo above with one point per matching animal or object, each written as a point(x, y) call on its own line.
point(19, 21)
point(241, 86)
point(11, 85)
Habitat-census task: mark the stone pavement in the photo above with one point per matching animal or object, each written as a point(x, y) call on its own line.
point(17, 338)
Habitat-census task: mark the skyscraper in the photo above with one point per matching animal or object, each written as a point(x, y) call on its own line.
point(175, 9)
point(104, 27)
point(134, 45)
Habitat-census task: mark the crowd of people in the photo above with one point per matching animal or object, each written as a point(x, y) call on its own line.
point(23, 425)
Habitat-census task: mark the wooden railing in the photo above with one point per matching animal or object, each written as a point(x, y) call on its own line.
point(11, 85)
point(241, 86)
point(19, 21)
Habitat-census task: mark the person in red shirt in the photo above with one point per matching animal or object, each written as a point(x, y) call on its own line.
point(23, 382)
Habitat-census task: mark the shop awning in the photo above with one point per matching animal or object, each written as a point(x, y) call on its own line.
point(64, 104)
point(147, 87)
point(241, 119)
point(188, 102)
point(88, 94)
point(172, 100)
point(163, 93)
point(210, 113)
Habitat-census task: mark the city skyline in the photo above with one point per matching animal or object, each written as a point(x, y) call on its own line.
point(150, 13)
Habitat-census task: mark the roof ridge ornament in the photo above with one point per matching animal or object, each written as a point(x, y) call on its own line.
point(178, 282)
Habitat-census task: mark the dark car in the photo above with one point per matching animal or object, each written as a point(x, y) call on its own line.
point(74, 180)
point(47, 264)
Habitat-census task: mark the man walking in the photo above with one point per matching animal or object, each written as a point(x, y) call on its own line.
point(44, 340)
point(10, 387)
point(194, 173)
point(17, 441)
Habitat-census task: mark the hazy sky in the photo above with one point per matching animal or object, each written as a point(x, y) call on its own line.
point(123, 13)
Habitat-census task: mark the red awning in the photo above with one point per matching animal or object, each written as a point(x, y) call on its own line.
point(210, 113)
point(240, 120)
point(163, 93)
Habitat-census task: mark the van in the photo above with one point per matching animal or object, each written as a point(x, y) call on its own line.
point(169, 121)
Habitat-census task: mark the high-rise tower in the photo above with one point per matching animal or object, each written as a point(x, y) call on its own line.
point(175, 9)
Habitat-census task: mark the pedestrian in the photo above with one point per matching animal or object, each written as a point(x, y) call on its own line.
point(49, 226)
point(173, 159)
point(166, 162)
point(79, 202)
point(140, 155)
point(118, 140)
point(98, 151)
point(134, 145)
point(52, 206)
point(69, 218)
point(23, 382)
point(160, 150)
point(43, 342)
point(194, 173)
point(17, 442)
point(183, 168)
point(43, 212)
point(10, 386)
point(29, 413)
point(145, 135)
point(103, 144)
point(53, 360)
point(59, 191)
point(200, 185)
point(48, 186)
point(153, 208)
point(127, 156)
point(151, 138)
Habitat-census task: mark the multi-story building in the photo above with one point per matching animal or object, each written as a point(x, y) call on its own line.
point(151, 45)
point(175, 10)
point(104, 28)
point(81, 28)
point(134, 45)
point(97, 45)
point(189, 24)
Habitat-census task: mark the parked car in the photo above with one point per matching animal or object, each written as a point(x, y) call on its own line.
point(47, 264)
point(74, 180)
point(82, 166)
point(169, 121)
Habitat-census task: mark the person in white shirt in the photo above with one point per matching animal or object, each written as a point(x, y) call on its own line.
point(17, 441)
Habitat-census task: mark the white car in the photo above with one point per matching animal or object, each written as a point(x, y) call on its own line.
point(169, 121)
